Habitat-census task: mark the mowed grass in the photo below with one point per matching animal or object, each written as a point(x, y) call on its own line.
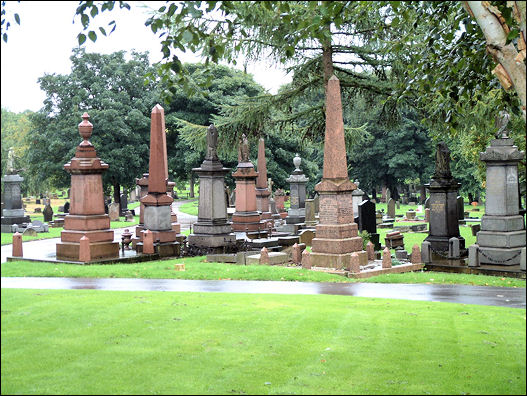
point(190, 208)
point(103, 342)
point(198, 268)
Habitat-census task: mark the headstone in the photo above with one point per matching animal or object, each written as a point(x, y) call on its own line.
point(297, 253)
point(410, 215)
point(37, 201)
point(337, 233)
point(502, 237)
point(357, 198)
point(460, 208)
point(87, 205)
point(264, 256)
point(306, 236)
point(444, 222)
point(29, 232)
point(370, 250)
point(398, 204)
point(310, 213)
point(391, 208)
point(475, 228)
point(297, 182)
point(84, 249)
point(113, 211)
point(17, 245)
point(427, 203)
point(354, 264)
point(48, 213)
point(427, 215)
point(386, 258)
point(416, 255)
point(129, 216)
point(316, 199)
point(212, 231)
point(38, 210)
point(123, 199)
point(133, 195)
point(394, 239)
point(401, 254)
point(306, 259)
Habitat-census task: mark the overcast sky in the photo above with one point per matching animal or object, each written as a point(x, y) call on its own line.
point(46, 35)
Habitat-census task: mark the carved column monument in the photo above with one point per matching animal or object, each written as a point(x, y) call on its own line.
point(86, 216)
point(297, 182)
point(262, 190)
point(212, 230)
point(501, 240)
point(13, 212)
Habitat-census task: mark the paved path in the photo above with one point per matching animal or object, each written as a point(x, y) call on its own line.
point(463, 294)
point(46, 248)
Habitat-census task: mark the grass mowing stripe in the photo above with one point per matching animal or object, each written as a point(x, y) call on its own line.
point(88, 341)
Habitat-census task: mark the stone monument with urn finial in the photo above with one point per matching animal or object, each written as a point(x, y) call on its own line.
point(86, 219)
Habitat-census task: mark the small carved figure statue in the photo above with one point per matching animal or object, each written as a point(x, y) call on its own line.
point(502, 120)
point(11, 161)
point(243, 154)
point(212, 142)
point(442, 161)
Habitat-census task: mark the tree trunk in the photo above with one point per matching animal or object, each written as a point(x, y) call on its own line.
point(495, 30)
point(191, 183)
point(117, 194)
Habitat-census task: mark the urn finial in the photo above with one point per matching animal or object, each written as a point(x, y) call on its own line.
point(296, 161)
point(85, 127)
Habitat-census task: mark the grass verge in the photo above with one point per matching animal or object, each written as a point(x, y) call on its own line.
point(197, 268)
point(62, 342)
point(190, 208)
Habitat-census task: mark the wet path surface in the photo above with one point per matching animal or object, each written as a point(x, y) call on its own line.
point(463, 294)
point(45, 249)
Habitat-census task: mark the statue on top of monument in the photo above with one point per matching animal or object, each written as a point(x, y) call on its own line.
point(243, 153)
point(502, 120)
point(212, 143)
point(11, 161)
point(442, 161)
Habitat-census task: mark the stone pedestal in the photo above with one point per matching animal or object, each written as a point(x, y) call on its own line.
point(246, 217)
point(444, 222)
point(297, 181)
point(212, 230)
point(502, 235)
point(13, 212)
point(337, 233)
point(86, 216)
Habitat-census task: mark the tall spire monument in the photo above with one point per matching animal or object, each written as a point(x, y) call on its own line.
point(337, 233)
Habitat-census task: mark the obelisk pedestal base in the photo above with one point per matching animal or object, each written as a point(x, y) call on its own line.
point(69, 251)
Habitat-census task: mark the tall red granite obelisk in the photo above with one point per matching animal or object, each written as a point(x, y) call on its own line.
point(86, 217)
point(337, 233)
point(157, 203)
point(262, 190)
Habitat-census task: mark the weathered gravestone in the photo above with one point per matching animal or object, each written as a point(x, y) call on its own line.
point(124, 203)
point(113, 211)
point(391, 208)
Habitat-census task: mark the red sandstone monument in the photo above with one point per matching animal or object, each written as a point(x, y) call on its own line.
point(86, 217)
point(337, 233)
point(262, 189)
point(246, 217)
point(157, 203)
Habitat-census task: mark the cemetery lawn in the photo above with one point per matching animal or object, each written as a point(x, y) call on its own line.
point(198, 268)
point(190, 208)
point(124, 342)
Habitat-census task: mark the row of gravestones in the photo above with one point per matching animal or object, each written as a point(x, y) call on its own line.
point(460, 207)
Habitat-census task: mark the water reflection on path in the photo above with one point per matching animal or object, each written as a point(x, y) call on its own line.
point(480, 295)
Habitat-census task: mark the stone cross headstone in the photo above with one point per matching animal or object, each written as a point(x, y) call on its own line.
point(391, 208)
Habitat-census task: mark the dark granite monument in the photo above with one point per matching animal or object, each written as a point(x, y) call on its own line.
point(13, 212)
point(368, 222)
point(444, 221)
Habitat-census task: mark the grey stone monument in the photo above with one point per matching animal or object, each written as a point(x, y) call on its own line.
point(297, 211)
point(502, 236)
point(212, 231)
point(310, 213)
point(444, 222)
point(13, 212)
point(391, 208)
point(356, 199)
point(48, 213)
